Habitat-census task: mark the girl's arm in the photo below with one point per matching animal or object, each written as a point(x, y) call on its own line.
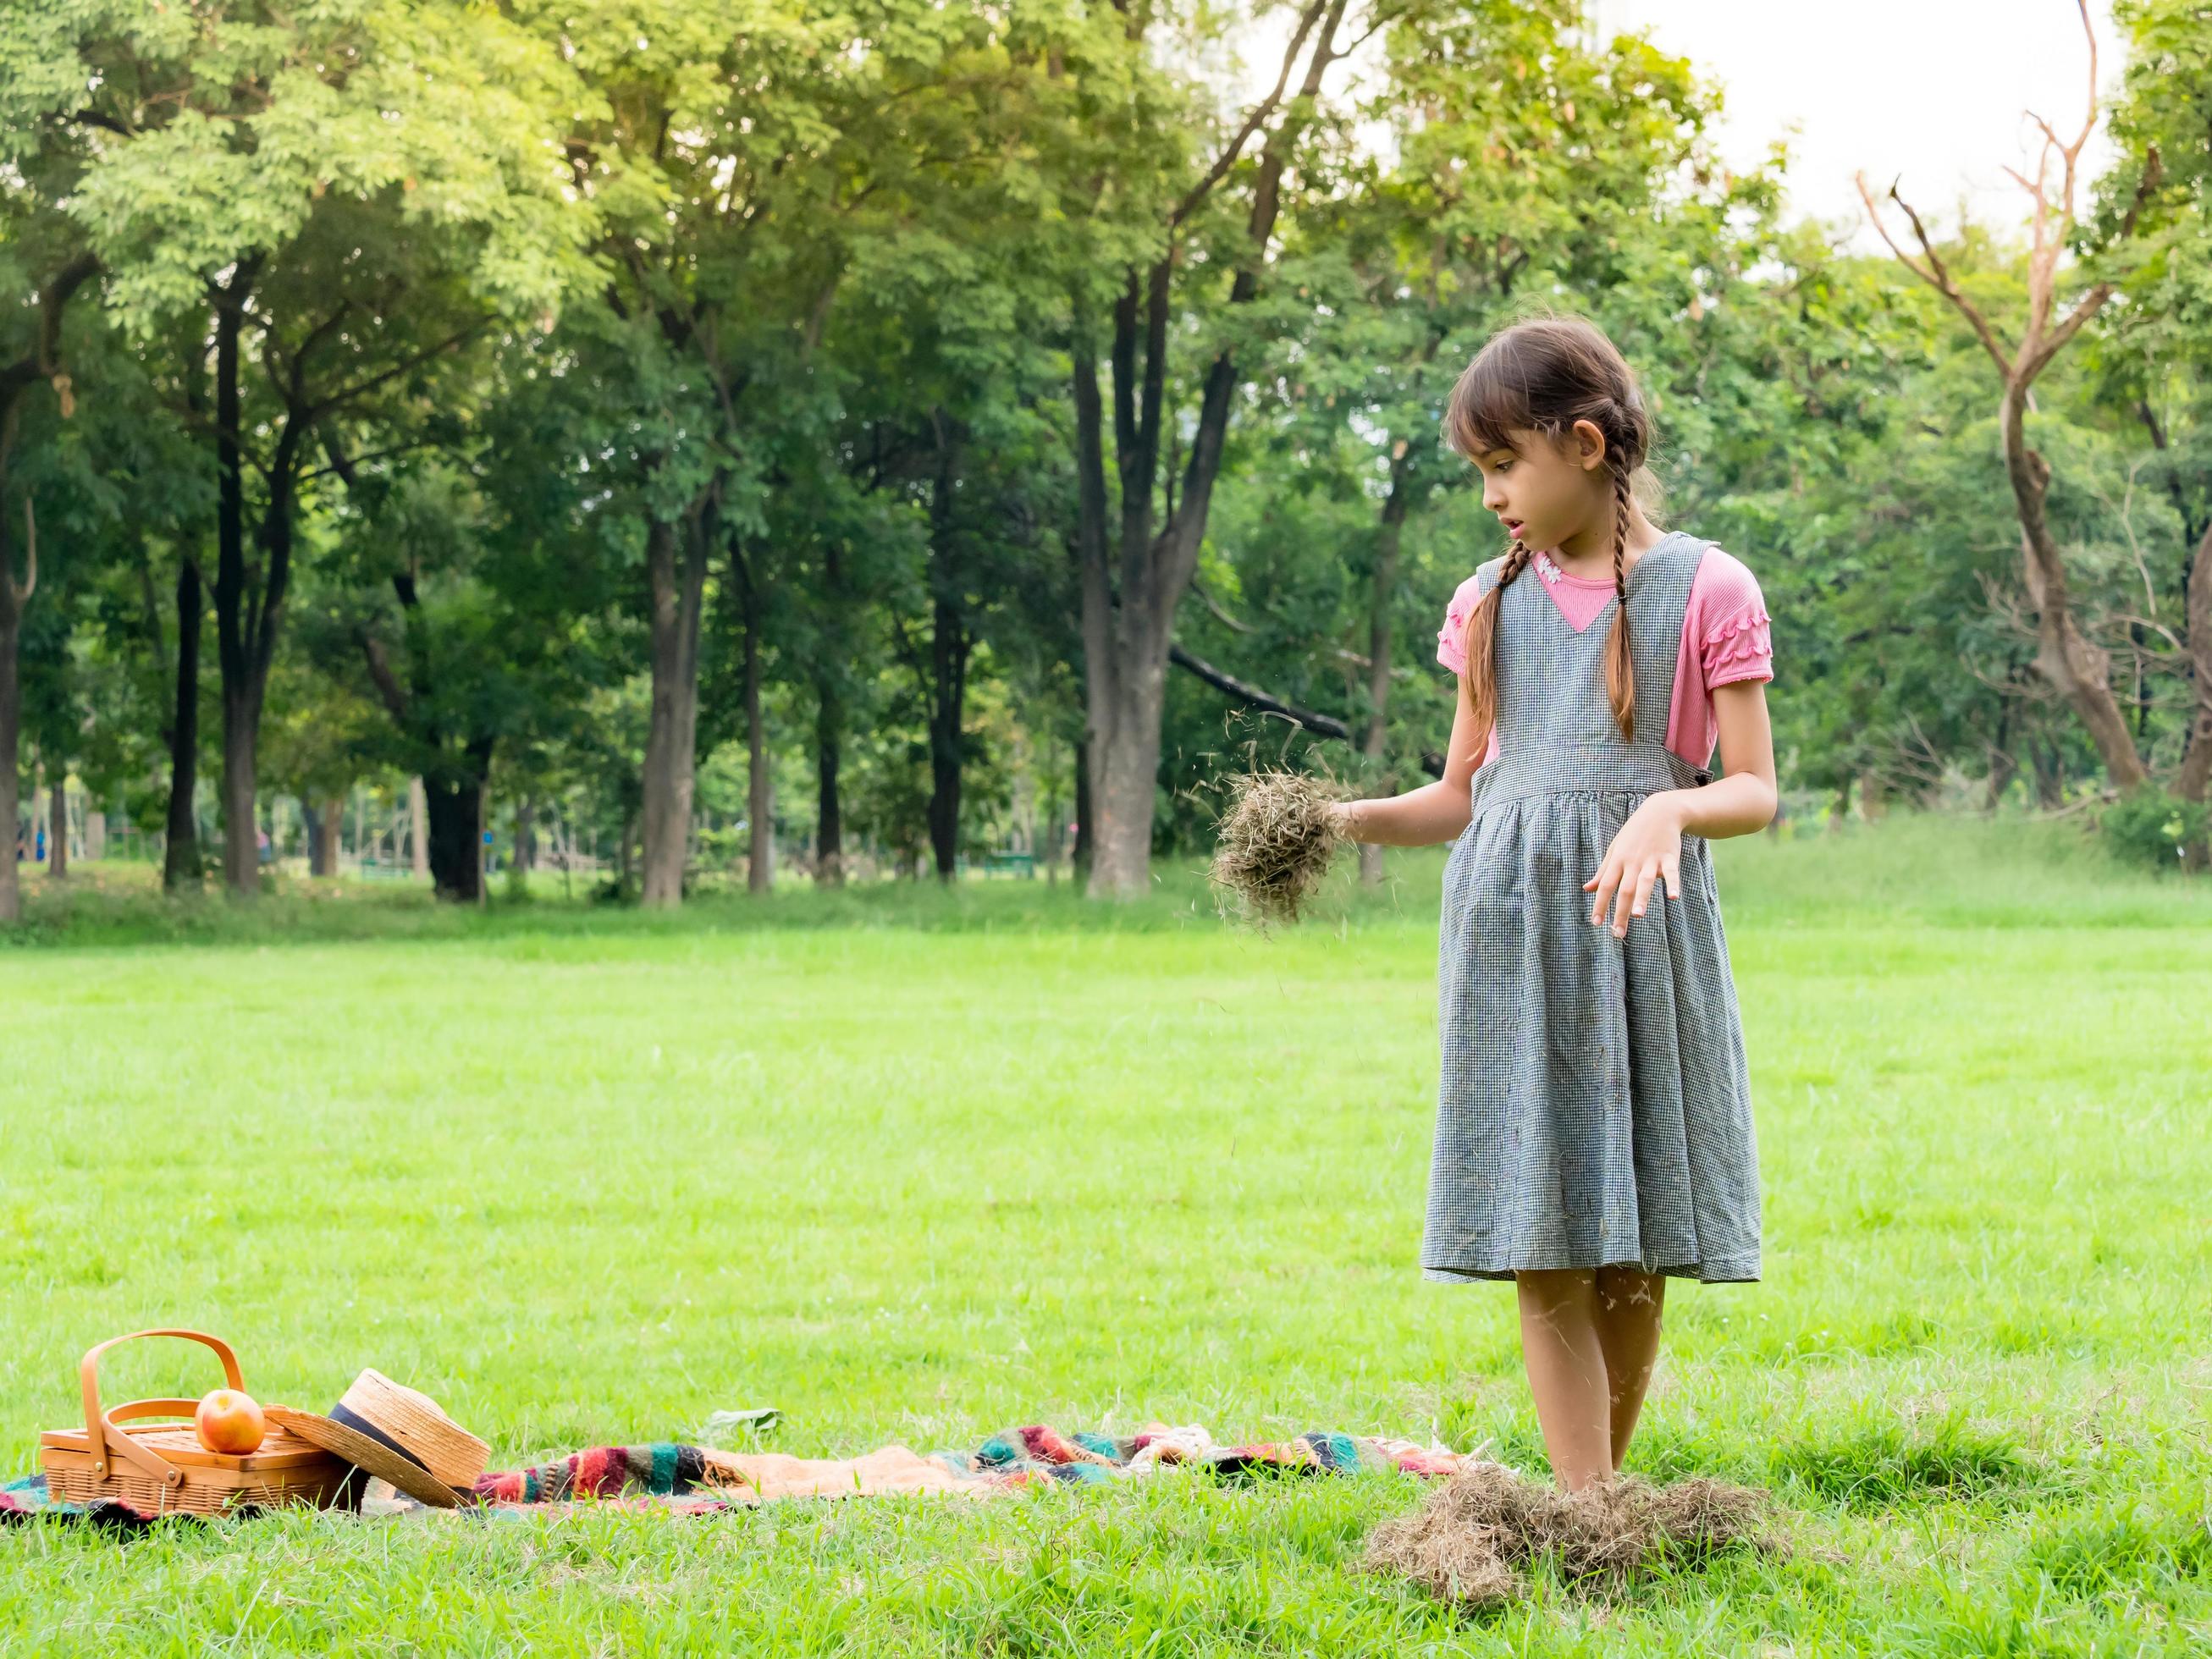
point(1746, 797)
point(1435, 811)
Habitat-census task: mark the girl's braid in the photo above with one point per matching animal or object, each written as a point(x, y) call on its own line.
point(1621, 680)
point(1480, 647)
point(1517, 561)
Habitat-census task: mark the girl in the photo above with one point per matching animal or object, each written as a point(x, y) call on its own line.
point(1594, 1131)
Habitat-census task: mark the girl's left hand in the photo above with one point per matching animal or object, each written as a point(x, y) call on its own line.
point(1648, 846)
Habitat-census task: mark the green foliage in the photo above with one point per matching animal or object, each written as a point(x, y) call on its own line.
point(802, 288)
point(2153, 827)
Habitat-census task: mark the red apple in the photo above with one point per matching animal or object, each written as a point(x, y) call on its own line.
point(228, 1421)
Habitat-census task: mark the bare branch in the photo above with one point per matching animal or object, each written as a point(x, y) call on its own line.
point(2069, 325)
point(1935, 273)
point(2149, 624)
point(1254, 119)
point(2089, 121)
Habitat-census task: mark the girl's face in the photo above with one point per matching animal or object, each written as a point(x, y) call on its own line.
point(1545, 491)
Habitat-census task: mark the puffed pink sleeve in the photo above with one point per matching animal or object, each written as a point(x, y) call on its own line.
point(1451, 638)
point(1734, 634)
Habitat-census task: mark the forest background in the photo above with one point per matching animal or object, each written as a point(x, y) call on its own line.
point(681, 446)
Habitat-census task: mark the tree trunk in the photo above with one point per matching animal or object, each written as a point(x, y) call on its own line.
point(180, 855)
point(828, 737)
point(2074, 665)
point(11, 729)
point(676, 570)
point(57, 829)
point(418, 828)
point(241, 727)
point(760, 836)
point(1078, 857)
point(322, 824)
point(526, 834)
point(239, 717)
point(1132, 579)
point(1125, 776)
point(452, 798)
point(41, 363)
point(945, 682)
point(2192, 780)
point(245, 622)
point(829, 730)
point(951, 647)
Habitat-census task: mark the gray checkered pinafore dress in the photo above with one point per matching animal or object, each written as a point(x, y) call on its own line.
point(1594, 1105)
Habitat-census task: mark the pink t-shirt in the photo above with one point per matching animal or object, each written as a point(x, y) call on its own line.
point(1726, 637)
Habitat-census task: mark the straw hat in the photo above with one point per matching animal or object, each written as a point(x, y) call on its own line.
point(389, 1430)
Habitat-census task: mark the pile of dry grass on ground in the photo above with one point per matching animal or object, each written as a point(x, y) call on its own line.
point(1276, 842)
point(1473, 1538)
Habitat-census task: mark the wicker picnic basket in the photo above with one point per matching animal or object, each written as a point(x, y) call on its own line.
point(160, 1468)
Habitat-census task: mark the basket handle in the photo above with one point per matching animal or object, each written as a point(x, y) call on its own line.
point(99, 1426)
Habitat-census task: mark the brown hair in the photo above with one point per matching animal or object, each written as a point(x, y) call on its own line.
point(1543, 374)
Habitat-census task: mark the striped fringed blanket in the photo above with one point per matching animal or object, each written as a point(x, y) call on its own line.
point(698, 1480)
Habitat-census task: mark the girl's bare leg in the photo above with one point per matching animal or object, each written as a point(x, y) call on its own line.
point(1628, 1303)
point(1567, 1372)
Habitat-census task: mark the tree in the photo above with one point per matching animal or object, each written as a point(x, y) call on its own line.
point(33, 361)
point(2074, 665)
point(1137, 560)
point(2162, 190)
point(257, 161)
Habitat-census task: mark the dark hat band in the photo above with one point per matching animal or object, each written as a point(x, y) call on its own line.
point(361, 1424)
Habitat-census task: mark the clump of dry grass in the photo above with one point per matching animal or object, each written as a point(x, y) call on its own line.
point(1471, 1540)
point(1276, 841)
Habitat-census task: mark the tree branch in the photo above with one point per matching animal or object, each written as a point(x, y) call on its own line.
point(1252, 697)
point(379, 670)
point(1935, 273)
point(39, 362)
point(1253, 121)
point(361, 388)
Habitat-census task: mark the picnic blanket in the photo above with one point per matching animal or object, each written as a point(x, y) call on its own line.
point(686, 1479)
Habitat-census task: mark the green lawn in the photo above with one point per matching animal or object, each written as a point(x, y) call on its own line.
point(918, 1166)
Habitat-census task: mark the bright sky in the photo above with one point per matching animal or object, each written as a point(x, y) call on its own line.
point(1933, 89)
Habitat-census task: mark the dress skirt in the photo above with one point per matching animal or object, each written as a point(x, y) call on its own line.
point(1594, 1105)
